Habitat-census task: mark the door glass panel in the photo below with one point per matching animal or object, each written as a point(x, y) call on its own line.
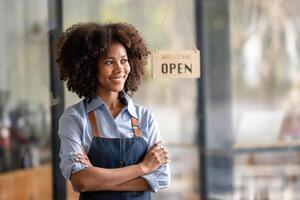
point(266, 98)
point(24, 100)
point(173, 101)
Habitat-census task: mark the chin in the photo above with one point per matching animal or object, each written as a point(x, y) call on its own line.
point(116, 89)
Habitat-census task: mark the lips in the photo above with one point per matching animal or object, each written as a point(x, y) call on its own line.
point(117, 78)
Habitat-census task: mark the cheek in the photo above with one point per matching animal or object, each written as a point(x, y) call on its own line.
point(105, 71)
point(102, 76)
point(128, 69)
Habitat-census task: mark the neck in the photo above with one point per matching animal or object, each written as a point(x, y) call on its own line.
point(110, 99)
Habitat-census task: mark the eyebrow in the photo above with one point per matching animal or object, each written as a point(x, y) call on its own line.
point(110, 57)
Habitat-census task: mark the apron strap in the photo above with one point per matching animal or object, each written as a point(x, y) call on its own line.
point(95, 130)
point(135, 127)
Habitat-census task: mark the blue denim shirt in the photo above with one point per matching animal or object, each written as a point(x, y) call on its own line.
point(75, 134)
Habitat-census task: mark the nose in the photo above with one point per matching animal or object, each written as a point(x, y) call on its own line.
point(119, 67)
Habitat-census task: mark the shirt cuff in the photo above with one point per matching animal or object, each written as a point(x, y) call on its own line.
point(152, 181)
point(76, 168)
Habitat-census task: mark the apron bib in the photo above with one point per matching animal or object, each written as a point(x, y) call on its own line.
point(115, 153)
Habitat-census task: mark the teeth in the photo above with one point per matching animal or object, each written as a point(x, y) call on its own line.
point(118, 78)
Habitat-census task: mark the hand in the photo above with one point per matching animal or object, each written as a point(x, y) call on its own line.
point(82, 158)
point(154, 158)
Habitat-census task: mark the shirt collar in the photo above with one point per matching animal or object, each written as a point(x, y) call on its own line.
point(97, 102)
point(130, 106)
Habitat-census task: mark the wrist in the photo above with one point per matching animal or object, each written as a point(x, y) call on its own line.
point(142, 168)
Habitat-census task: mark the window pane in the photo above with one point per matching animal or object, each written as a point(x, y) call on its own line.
point(173, 101)
point(24, 100)
point(265, 83)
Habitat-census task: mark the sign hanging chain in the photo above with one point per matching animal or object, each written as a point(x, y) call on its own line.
point(188, 25)
point(162, 24)
point(185, 21)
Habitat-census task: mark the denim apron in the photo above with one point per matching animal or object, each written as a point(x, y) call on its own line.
point(115, 153)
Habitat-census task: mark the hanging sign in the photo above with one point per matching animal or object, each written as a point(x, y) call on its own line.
point(176, 64)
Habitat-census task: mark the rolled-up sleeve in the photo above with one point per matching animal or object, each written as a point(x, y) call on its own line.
point(160, 178)
point(70, 130)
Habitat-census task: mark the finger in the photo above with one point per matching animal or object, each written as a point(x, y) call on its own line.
point(167, 158)
point(85, 156)
point(79, 158)
point(164, 155)
point(161, 157)
point(158, 152)
point(156, 145)
point(83, 161)
point(81, 155)
point(163, 152)
point(167, 153)
point(86, 159)
point(78, 155)
point(86, 162)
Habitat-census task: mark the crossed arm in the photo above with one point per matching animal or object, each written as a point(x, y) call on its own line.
point(119, 179)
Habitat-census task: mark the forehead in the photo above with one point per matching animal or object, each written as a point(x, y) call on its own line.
point(116, 50)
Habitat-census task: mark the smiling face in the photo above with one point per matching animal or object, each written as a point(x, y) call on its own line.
point(113, 69)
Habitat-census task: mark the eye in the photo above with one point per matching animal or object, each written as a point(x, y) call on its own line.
point(108, 62)
point(124, 60)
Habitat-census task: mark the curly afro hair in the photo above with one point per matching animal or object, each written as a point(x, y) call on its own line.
point(79, 48)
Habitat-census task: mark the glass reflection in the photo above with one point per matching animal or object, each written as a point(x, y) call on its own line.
point(265, 76)
point(24, 85)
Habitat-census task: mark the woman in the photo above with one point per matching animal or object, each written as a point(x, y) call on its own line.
point(125, 159)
